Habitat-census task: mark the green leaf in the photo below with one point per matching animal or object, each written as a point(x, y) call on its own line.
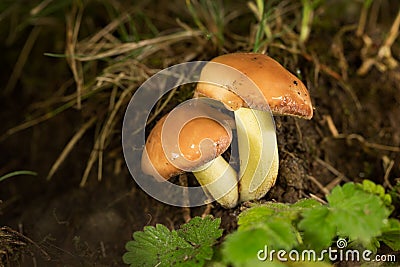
point(261, 214)
point(202, 232)
point(241, 247)
point(357, 214)
point(391, 235)
point(255, 216)
point(15, 173)
point(280, 234)
point(376, 189)
point(158, 246)
point(318, 228)
point(308, 203)
point(373, 245)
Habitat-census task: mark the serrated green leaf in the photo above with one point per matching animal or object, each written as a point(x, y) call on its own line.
point(155, 246)
point(373, 245)
point(261, 214)
point(203, 233)
point(376, 189)
point(280, 234)
point(158, 246)
point(368, 186)
point(318, 228)
point(357, 214)
point(254, 216)
point(242, 246)
point(291, 212)
point(306, 204)
point(391, 234)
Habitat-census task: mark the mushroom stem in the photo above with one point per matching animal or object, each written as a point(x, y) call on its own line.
point(258, 151)
point(220, 181)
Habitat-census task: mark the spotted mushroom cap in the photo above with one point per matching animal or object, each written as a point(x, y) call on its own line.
point(283, 91)
point(155, 162)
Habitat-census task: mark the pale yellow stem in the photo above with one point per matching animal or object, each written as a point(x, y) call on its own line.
point(258, 152)
point(219, 179)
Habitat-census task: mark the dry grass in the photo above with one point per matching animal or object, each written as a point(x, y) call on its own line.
point(137, 41)
point(13, 243)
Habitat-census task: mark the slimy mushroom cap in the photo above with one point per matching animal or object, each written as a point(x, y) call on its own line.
point(155, 162)
point(281, 90)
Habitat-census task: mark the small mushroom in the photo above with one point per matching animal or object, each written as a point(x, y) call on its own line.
point(201, 141)
point(252, 85)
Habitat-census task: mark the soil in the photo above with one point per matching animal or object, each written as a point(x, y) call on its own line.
point(56, 222)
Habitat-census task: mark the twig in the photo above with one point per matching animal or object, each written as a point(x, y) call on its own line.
point(71, 41)
point(332, 169)
point(387, 173)
point(123, 18)
point(97, 151)
point(331, 125)
point(338, 49)
point(334, 183)
point(323, 67)
point(318, 199)
point(384, 51)
point(103, 249)
point(207, 210)
point(318, 184)
point(23, 57)
point(329, 167)
point(384, 59)
point(368, 144)
point(42, 5)
point(363, 18)
point(70, 146)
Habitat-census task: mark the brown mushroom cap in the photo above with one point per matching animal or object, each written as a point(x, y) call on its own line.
point(155, 162)
point(283, 91)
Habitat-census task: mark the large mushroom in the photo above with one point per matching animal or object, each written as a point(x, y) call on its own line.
point(201, 141)
point(253, 85)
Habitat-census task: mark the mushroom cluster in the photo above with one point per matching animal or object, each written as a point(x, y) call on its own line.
point(200, 142)
point(252, 86)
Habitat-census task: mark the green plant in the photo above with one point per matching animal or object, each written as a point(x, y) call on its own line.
point(191, 245)
point(395, 194)
point(15, 173)
point(309, 7)
point(262, 14)
point(268, 27)
point(356, 214)
point(209, 18)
